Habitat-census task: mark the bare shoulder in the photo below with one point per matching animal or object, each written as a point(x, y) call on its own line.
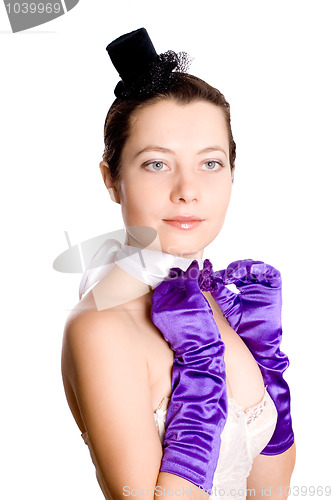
point(95, 325)
point(90, 334)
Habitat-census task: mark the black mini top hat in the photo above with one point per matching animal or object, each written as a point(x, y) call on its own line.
point(131, 54)
point(139, 66)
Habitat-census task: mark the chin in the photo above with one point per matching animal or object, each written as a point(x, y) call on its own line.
point(187, 244)
point(182, 248)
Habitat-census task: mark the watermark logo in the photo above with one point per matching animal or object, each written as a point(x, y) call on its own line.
point(88, 254)
point(25, 15)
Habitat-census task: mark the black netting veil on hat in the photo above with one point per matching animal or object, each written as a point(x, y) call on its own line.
point(141, 69)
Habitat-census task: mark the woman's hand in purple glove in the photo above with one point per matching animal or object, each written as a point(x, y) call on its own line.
point(198, 407)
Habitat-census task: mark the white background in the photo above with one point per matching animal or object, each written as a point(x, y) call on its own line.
point(273, 62)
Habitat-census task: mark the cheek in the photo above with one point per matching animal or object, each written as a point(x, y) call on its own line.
point(149, 192)
point(139, 202)
point(220, 198)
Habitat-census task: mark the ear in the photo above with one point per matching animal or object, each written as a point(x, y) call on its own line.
point(109, 182)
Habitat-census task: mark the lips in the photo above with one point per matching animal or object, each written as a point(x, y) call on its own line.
point(184, 222)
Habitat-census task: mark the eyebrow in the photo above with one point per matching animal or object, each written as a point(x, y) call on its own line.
point(165, 150)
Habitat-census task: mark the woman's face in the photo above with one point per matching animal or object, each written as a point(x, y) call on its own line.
point(175, 164)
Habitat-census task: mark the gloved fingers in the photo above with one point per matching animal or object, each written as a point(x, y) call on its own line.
point(169, 287)
point(248, 271)
point(191, 280)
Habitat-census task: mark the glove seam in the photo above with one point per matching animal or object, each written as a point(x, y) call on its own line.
point(175, 468)
point(170, 463)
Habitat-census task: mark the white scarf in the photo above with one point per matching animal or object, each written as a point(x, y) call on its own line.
point(148, 266)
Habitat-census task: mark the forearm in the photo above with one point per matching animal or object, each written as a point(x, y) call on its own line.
point(197, 410)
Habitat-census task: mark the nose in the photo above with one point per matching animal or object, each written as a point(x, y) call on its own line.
point(185, 188)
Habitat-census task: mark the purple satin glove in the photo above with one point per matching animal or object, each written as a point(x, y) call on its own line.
point(255, 314)
point(198, 406)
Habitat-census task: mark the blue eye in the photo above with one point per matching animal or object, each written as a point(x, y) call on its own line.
point(211, 164)
point(157, 165)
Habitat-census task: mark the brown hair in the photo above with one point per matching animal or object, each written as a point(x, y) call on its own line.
point(185, 88)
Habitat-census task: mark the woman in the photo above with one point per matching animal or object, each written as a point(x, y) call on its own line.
point(148, 349)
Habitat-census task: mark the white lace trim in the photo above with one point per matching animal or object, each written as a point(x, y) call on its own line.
point(251, 413)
